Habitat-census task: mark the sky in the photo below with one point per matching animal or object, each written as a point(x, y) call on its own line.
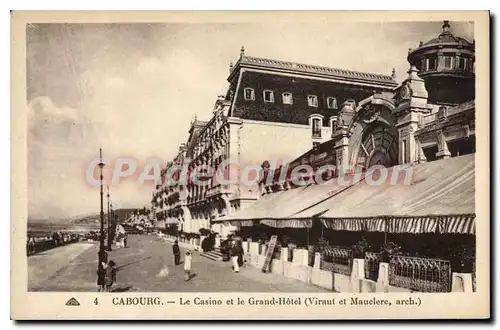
point(133, 89)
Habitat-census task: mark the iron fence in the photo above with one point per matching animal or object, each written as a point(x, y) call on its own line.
point(337, 260)
point(420, 274)
point(372, 262)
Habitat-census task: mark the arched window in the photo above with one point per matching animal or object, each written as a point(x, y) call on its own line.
point(249, 94)
point(316, 127)
point(268, 96)
point(312, 101)
point(287, 98)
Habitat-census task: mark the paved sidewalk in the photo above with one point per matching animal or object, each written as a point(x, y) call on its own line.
point(48, 264)
point(141, 263)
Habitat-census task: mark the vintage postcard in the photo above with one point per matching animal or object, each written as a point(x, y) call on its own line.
point(250, 165)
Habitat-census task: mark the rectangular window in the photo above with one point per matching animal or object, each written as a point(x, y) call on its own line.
point(316, 127)
point(249, 94)
point(423, 65)
point(431, 63)
point(312, 101)
point(287, 98)
point(462, 63)
point(331, 102)
point(268, 96)
point(449, 62)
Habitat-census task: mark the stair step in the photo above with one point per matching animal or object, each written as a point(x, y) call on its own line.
point(211, 256)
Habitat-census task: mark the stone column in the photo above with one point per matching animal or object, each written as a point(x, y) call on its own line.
point(383, 277)
point(317, 261)
point(411, 106)
point(461, 282)
point(357, 275)
point(443, 151)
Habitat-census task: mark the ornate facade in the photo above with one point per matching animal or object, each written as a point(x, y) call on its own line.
point(403, 126)
point(268, 104)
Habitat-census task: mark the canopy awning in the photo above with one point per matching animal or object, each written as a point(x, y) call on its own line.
point(438, 197)
point(171, 221)
point(281, 205)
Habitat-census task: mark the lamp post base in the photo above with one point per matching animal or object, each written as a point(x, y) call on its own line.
point(102, 256)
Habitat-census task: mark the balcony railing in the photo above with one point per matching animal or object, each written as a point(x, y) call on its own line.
point(420, 274)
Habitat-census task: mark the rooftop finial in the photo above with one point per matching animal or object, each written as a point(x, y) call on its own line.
point(393, 75)
point(446, 26)
point(230, 66)
point(242, 51)
point(412, 72)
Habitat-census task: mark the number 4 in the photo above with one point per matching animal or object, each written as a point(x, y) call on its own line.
point(96, 301)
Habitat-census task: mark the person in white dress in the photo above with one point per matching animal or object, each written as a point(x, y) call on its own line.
point(187, 265)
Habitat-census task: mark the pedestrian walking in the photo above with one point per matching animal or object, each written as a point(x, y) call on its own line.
point(101, 277)
point(110, 276)
point(31, 246)
point(234, 257)
point(187, 265)
point(177, 253)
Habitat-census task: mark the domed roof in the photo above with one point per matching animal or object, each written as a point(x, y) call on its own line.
point(446, 37)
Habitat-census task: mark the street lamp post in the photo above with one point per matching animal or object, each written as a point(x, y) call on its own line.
point(101, 255)
point(109, 224)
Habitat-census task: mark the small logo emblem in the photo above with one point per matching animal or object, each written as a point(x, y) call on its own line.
point(72, 302)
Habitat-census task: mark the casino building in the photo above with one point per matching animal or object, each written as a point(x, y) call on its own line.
point(426, 124)
point(273, 110)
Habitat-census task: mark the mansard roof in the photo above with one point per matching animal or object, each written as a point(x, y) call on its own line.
point(315, 70)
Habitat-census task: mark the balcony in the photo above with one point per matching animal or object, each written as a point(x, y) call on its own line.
point(216, 190)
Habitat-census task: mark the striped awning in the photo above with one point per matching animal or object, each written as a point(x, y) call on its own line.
point(438, 197)
point(294, 223)
point(171, 221)
point(463, 224)
point(453, 224)
point(247, 223)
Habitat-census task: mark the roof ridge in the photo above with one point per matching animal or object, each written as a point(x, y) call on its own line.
point(297, 65)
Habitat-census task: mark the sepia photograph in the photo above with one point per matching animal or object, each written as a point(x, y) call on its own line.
point(290, 156)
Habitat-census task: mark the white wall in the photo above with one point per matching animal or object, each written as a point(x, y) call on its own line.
point(260, 141)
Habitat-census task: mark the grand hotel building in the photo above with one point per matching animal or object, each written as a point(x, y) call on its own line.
point(272, 110)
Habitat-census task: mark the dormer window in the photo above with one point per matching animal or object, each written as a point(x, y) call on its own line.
point(312, 101)
point(287, 98)
point(249, 94)
point(268, 96)
point(333, 123)
point(331, 102)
